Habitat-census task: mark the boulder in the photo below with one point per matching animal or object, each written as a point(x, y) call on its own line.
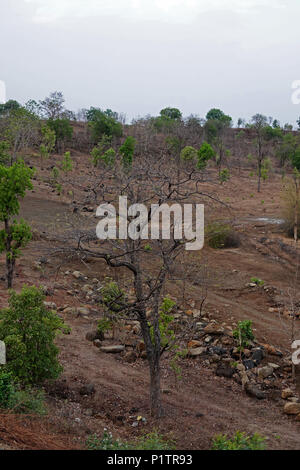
point(287, 393)
point(225, 371)
point(130, 357)
point(50, 305)
point(196, 352)
point(214, 329)
point(265, 372)
point(93, 335)
point(253, 391)
point(77, 275)
point(112, 349)
point(292, 408)
point(194, 344)
point(257, 356)
point(88, 389)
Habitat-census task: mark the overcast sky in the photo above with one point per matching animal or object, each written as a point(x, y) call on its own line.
point(138, 56)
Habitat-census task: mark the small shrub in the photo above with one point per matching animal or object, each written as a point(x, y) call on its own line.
point(257, 281)
point(29, 401)
point(7, 388)
point(105, 443)
point(29, 329)
point(151, 441)
point(105, 325)
point(154, 441)
point(224, 175)
point(112, 296)
point(243, 333)
point(240, 441)
point(221, 236)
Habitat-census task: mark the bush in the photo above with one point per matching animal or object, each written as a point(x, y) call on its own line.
point(243, 333)
point(221, 236)
point(21, 401)
point(7, 389)
point(151, 441)
point(240, 441)
point(29, 329)
point(289, 200)
point(28, 401)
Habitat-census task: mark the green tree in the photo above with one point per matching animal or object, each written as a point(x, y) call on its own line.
point(29, 329)
point(14, 181)
point(127, 151)
point(8, 107)
point(52, 107)
point(21, 131)
point(4, 152)
point(188, 154)
point(205, 153)
point(104, 152)
point(48, 142)
point(171, 113)
point(63, 132)
point(67, 162)
point(103, 123)
point(215, 129)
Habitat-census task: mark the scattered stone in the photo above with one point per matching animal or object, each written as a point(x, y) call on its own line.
point(287, 393)
point(249, 364)
point(265, 372)
point(140, 347)
point(194, 344)
point(253, 391)
point(257, 356)
point(112, 349)
point(93, 335)
point(275, 366)
point(97, 343)
point(272, 350)
point(225, 371)
point(292, 408)
point(82, 311)
point(208, 339)
point(130, 357)
point(88, 389)
point(77, 275)
point(218, 350)
point(50, 305)
point(213, 329)
point(196, 352)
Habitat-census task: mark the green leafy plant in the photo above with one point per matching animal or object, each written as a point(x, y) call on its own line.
point(205, 153)
point(224, 175)
point(188, 154)
point(29, 329)
point(240, 441)
point(105, 325)
point(14, 181)
point(67, 163)
point(167, 335)
point(150, 441)
point(257, 281)
point(220, 236)
point(127, 151)
point(106, 442)
point(112, 296)
point(243, 333)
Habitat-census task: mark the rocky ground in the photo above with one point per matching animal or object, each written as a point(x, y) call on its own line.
point(105, 379)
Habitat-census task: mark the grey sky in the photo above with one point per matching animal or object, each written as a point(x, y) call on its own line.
point(138, 56)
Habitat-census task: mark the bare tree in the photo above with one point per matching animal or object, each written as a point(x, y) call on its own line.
point(149, 264)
